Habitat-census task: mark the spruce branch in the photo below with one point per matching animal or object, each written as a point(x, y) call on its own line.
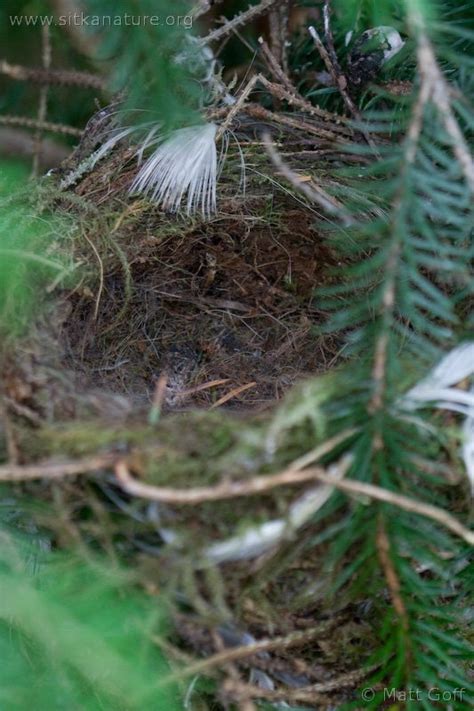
point(393, 581)
point(434, 87)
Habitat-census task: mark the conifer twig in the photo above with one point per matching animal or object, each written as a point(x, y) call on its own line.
point(337, 76)
point(25, 122)
point(403, 502)
point(437, 90)
point(276, 69)
point(314, 193)
point(223, 490)
point(281, 93)
point(234, 654)
point(238, 21)
point(46, 76)
point(55, 470)
point(340, 82)
point(312, 694)
point(43, 99)
point(393, 582)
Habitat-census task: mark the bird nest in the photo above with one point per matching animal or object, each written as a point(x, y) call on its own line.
point(203, 313)
point(190, 317)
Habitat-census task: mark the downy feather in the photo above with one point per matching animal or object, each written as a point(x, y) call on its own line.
point(183, 167)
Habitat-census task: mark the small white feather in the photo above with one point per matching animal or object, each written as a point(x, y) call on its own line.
point(437, 388)
point(258, 539)
point(468, 447)
point(182, 169)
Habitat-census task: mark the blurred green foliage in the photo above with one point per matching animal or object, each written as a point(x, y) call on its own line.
point(31, 254)
point(76, 635)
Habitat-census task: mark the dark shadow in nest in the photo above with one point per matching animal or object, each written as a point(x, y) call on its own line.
point(219, 308)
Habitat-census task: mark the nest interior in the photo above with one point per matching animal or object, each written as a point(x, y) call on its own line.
point(215, 307)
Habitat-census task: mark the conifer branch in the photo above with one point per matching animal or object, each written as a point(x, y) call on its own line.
point(435, 88)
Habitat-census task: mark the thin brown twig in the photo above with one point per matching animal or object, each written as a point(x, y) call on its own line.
point(328, 36)
point(340, 82)
point(278, 20)
point(314, 691)
point(234, 690)
point(314, 193)
point(393, 581)
point(309, 694)
point(403, 502)
point(203, 386)
point(222, 490)
point(314, 129)
point(47, 76)
point(259, 484)
point(275, 67)
point(282, 94)
point(101, 275)
point(294, 99)
point(58, 470)
point(382, 543)
point(239, 20)
point(235, 654)
point(439, 92)
point(7, 120)
point(43, 99)
point(159, 398)
point(233, 393)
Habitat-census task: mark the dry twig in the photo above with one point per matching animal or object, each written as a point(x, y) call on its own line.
point(46, 57)
point(314, 193)
point(41, 125)
point(233, 393)
point(340, 82)
point(218, 492)
point(59, 470)
point(393, 581)
point(290, 476)
point(238, 21)
point(435, 88)
point(235, 654)
point(47, 76)
point(329, 130)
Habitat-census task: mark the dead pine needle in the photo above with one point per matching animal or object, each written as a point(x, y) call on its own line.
point(232, 394)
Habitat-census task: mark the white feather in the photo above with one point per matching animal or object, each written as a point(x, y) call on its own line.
point(437, 388)
point(184, 167)
point(259, 539)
